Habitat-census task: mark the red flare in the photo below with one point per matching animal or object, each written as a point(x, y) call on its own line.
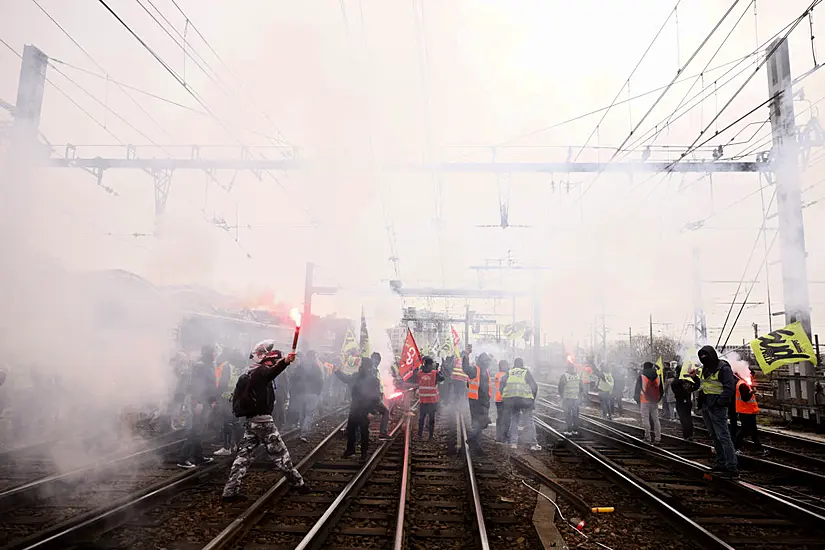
point(396, 394)
point(295, 315)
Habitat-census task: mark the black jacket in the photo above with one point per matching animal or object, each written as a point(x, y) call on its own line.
point(365, 390)
point(710, 365)
point(308, 378)
point(202, 383)
point(261, 389)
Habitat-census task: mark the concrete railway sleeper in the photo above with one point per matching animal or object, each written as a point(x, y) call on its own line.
point(712, 512)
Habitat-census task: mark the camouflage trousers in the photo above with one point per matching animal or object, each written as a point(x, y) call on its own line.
point(255, 434)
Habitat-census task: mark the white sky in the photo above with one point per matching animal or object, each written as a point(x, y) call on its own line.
point(495, 72)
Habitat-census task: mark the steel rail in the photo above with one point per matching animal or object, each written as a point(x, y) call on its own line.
point(319, 532)
point(680, 521)
point(257, 509)
point(106, 518)
point(791, 439)
point(479, 514)
point(740, 489)
point(13, 496)
point(405, 487)
point(811, 478)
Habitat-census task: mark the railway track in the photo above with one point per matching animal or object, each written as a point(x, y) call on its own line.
point(96, 508)
point(711, 512)
point(406, 495)
point(782, 448)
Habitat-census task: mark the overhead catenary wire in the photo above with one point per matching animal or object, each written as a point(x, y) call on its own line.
point(146, 113)
point(627, 81)
point(744, 84)
point(747, 264)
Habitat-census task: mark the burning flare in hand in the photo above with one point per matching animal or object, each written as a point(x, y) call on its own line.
point(296, 316)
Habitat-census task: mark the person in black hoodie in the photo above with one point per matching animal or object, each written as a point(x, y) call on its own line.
point(366, 396)
point(204, 396)
point(682, 390)
point(648, 393)
point(716, 390)
point(253, 399)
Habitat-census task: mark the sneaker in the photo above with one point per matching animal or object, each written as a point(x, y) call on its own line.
point(234, 498)
point(384, 437)
point(206, 461)
point(513, 445)
point(535, 447)
point(304, 439)
point(223, 451)
point(304, 489)
point(728, 474)
point(738, 453)
point(348, 454)
point(187, 465)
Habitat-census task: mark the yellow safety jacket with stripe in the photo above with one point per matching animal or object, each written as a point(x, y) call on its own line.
point(517, 385)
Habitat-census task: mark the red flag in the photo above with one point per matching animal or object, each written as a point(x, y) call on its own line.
point(410, 357)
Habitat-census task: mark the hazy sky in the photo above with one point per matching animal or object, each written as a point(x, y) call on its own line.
point(380, 82)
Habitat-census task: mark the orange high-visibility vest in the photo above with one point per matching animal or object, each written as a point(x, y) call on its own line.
point(652, 387)
point(218, 372)
point(745, 407)
point(427, 387)
point(475, 383)
point(499, 376)
point(458, 372)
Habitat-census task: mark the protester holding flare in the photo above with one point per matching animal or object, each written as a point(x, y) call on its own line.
point(253, 399)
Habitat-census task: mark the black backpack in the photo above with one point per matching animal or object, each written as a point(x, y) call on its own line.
point(243, 403)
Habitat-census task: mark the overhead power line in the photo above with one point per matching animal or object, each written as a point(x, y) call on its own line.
point(627, 81)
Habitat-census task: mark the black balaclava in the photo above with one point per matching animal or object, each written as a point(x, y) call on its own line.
point(376, 359)
point(518, 363)
point(708, 357)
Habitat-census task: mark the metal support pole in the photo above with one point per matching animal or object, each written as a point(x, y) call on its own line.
point(29, 97)
point(651, 333)
point(308, 288)
point(789, 209)
point(700, 327)
point(163, 182)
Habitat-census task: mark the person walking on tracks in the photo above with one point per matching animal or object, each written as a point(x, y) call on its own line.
point(365, 398)
point(479, 393)
point(203, 399)
point(606, 384)
point(502, 416)
point(716, 389)
point(253, 399)
point(747, 409)
point(648, 394)
point(519, 390)
point(428, 379)
point(570, 390)
point(682, 389)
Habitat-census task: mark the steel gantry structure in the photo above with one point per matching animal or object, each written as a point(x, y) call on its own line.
point(782, 164)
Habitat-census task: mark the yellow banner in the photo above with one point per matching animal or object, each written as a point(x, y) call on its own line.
point(688, 363)
point(785, 346)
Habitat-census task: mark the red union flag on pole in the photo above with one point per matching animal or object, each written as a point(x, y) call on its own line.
point(410, 357)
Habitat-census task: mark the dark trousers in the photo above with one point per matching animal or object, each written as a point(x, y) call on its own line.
point(685, 411)
point(385, 418)
point(732, 418)
point(427, 411)
point(358, 423)
point(193, 447)
point(502, 422)
point(480, 418)
point(748, 428)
